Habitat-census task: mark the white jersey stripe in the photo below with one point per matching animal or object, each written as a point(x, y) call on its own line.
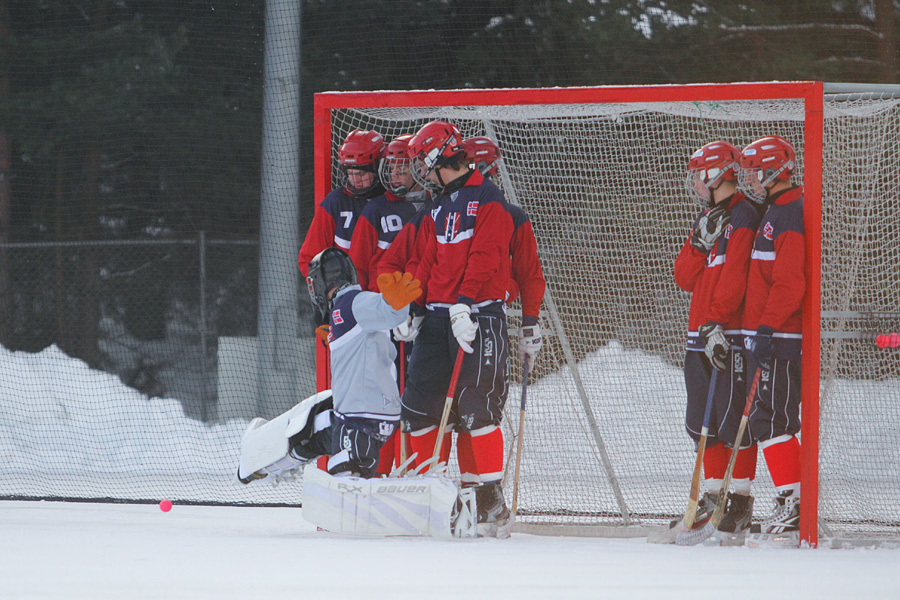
point(764, 256)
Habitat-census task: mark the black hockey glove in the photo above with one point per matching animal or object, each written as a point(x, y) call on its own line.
point(762, 348)
point(714, 344)
point(709, 227)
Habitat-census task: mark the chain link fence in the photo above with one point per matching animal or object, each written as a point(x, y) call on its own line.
point(152, 312)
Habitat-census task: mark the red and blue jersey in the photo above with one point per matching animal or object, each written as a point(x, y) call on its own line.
point(332, 225)
point(718, 280)
point(381, 221)
point(467, 257)
point(776, 283)
point(527, 275)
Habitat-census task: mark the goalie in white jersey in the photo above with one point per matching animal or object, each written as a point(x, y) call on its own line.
point(352, 422)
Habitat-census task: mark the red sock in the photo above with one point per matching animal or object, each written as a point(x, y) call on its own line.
point(715, 461)
point(487, 449)
point(322, 463)
point(386, 455)
point(423, 446)
point(466, 458)
point(745, 464)
point(783, 460)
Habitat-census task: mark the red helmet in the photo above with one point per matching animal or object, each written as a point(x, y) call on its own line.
point(362, 151)
point(714, 162)
point(394, 171)
point(484, 153)
point(434, 145)
point(767, 160)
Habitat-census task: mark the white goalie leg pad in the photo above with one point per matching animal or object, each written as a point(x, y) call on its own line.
point(265, 443)
point(421, 505)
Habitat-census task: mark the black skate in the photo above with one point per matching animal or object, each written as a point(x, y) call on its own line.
point(782, 527)
point(705, 509)
point(493, 515)
point(734, 525)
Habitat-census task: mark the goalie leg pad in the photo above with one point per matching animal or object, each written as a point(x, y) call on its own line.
point(267, 442)
point(423, 505)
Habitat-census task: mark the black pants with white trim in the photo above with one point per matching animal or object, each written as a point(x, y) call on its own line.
point(729, 397)
point(482, 387)
point(776, 409)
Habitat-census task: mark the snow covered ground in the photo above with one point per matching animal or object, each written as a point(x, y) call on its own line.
point(77, 551)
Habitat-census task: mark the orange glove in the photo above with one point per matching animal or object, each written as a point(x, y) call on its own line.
point(322, 332)
point(399, 290)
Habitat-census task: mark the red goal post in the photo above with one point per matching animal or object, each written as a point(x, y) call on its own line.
point(808, 97)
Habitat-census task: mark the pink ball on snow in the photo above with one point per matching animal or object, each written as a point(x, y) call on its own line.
point(165, 505)
point(895, 340)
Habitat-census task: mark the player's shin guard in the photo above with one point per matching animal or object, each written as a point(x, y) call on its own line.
point(715, 461)
point(466, 457)
point(487, 450)
point(783, 459)
point(422, 442)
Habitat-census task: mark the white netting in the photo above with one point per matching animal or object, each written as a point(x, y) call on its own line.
point(603, 184)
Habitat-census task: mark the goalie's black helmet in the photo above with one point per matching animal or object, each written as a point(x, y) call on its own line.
point(330, 270)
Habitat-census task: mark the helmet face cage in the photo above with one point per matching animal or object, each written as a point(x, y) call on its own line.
point(394, 170)
point(395, 176)
point(420, 172)
point(358, 190)
point(330, 270)
point(701, 182)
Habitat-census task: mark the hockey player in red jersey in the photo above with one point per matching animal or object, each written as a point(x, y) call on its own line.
point(527, 274)
point(336, 216)
point(712, 265)
point(464, 269)
point(776, 286)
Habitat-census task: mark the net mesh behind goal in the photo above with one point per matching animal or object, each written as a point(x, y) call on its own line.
point(604, 186)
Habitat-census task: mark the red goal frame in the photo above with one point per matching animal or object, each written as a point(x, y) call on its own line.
point(812, 95)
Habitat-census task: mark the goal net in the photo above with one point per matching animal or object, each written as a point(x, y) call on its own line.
point(601, 173)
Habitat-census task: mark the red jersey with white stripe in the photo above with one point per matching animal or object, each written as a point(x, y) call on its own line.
point(776, 283)
point(466, 259)
point(332, 225)
point(718, 280)
point(380, 222)
point(527, 275)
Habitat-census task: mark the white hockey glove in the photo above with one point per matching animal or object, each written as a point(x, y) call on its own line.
point(407, 330)
point(530, 342)
point(464, 329)
point(714, 344)
point(709, 228)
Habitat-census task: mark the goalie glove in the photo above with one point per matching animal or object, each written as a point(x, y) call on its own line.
point(714, 344)
point(398, 289)
point(407, 330)
point(530, 342)
point(709, 227)
point(464, 329)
